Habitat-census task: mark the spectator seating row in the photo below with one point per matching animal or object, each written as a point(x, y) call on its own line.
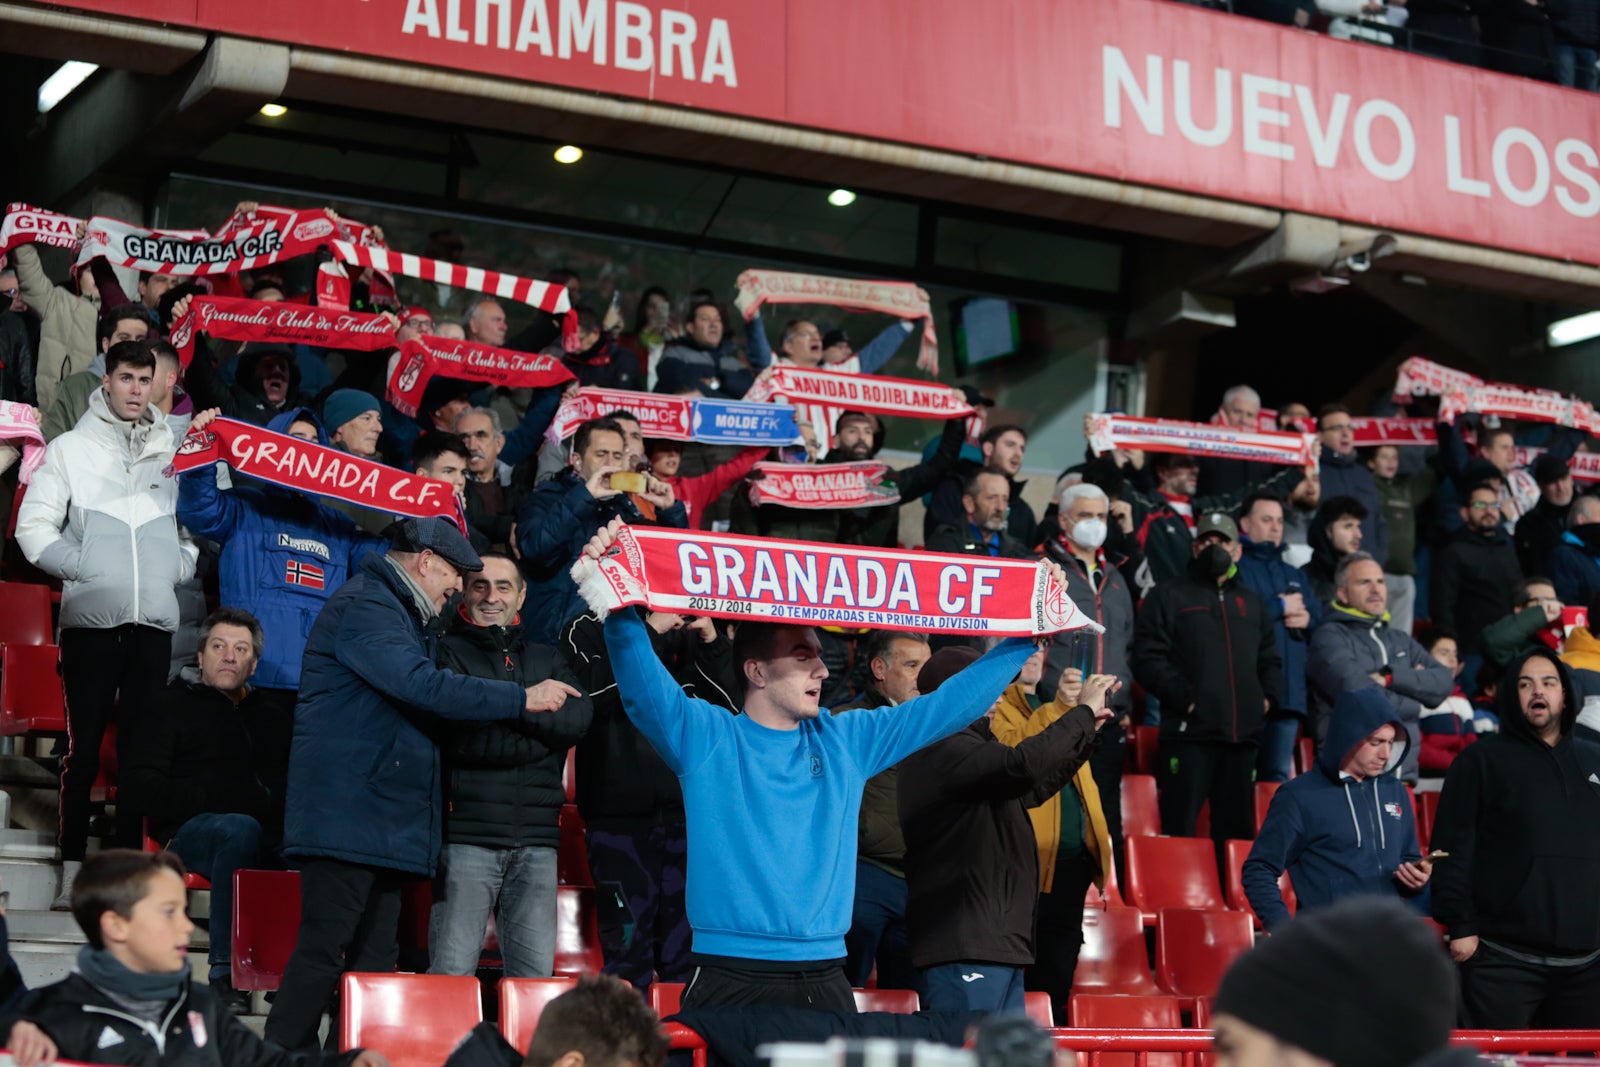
point(1193, 948)
point(1181, 872)
point(1144, 751)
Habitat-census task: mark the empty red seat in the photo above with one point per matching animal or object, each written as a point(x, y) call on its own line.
point(31, 697)
point(25, 614)
point(1147, 749)
point(1110, 896)
point(191, 880)
point(1265, 791)
point(1172, 872)
point(666, 998)
point(1097, 1011)
point(577, 932)
point(1194, 947)
point(1037, 1007)
point(897, 1001)
point(1305, 755)
point(1427, 813)
point(1141, 815)
point(266, 924)
point(522, 1000)
point(1238, 852)
point(1114, 958)
point(572, 856)
point(413, 1019)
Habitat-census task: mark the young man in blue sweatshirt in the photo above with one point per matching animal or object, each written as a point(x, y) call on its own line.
point(772, 798)
point(1345, 828)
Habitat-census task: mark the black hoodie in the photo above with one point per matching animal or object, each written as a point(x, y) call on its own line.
point(1521, 822)
point(1473, 579)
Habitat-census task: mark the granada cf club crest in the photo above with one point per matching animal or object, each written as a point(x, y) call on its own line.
point(409, 376)
point(305, 574)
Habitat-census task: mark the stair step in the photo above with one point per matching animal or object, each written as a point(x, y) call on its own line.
point(59, 927)
point(43, 963)
point(33, 884)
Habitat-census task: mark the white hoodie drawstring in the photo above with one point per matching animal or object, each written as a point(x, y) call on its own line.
point(1377, 807)
point(1352, 804)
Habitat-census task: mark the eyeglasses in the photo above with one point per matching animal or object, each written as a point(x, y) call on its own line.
point(11, 292)
point(1540, 600)
point(1338, 428)
point(1483, 505)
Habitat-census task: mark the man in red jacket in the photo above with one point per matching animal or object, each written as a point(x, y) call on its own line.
point(701, 491)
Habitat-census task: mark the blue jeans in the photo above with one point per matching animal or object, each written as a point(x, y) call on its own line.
point(1276, 758)
point(878, 931)
point(973, 987)
point(1575, 67)
point(214, 846)
point(518, 885)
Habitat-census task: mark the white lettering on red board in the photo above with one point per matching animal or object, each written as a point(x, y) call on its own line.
point(617, 33)
point(1258, 111)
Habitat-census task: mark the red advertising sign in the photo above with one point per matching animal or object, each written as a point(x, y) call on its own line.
point(1143, 91)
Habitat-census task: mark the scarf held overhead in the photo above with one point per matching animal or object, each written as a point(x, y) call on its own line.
point(822, 486)
point(423, 357)
point(900, 299)
point(810, 584)
point(19, 423)
point(229, 318)
point(25, 224)
point(243, 243)
point(314, 469)
point(1109, 432)
point(681, 418)
point(871, 393)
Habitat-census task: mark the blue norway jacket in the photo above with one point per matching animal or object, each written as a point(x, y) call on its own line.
point(363, 767)
point(1261, 567)
point(1336, 837)
point(283, 554)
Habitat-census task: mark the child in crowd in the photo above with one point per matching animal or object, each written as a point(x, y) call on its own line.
point(132, 999)
point(1486, 685)
point(1448, 727)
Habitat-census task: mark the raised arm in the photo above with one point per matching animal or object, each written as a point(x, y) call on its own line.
point(679, 726)
point(882, 348)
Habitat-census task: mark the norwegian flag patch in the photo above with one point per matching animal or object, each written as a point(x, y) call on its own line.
point(305, 574)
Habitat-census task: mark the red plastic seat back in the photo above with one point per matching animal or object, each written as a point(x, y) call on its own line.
point(1194, 947)
point(1265, 791)
point(1113, 959)
point(1427, 813)
point(31, 697)
point(1037, 1006)
point(266, 924)
point(413, 1019)
point(897, 1001)
point(1238, 852)
point(1172, 872)
point(1147, 749)
point(25, 614)
point(1141, 814)
point(577, 932)
point(666, 998)
point(1096, 1011)
point(522, 1000)
point(572, 857)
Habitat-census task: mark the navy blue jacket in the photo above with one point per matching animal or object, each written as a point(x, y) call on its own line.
point(1574, 570)
point(1261, 567)
point(554, 524)
point(283, 554)
point(363, 768)
point(1348, 476)
point(1336, 837)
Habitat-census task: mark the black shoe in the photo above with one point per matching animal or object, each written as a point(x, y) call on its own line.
point(235, 1000)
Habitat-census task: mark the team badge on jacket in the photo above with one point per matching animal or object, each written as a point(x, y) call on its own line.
point(307, 574)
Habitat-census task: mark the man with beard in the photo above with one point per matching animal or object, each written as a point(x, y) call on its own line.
point(1475, 573)
point(599, 360)
point(1540, 529)
point(986, 498)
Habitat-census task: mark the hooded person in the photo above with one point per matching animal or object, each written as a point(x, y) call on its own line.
point(1520, 893)
point(1362, 983)
point(1345, 828)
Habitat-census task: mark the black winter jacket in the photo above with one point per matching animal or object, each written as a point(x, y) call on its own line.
point(503, 779)
point(1210, 646)
point(1472, 582)
point(202, 754)
point(623, 783)
point(1521, 821)
point(89, 1027)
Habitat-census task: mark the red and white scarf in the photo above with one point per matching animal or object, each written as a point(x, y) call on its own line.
point(900, 299)
point(1585, 466)
point(1370, 432)
point(859, 392)
point(822, 486)
point(423, 357)
point(236, 319)
point(1424, 377)
point(25, 224)
point(804, 583)
point(314, 469)
point(1514, 402)
point(19, 427)
point(1199, 439)
point(243, 243)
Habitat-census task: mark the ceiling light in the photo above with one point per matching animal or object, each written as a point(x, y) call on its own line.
point(841, 198)
point(67, 77)
point(1571, 331)
point(274, 111)
point(568, 153)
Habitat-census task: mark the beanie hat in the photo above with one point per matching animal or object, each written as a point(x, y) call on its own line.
point(941, 665)
point(343, 405)
point(1363, 983)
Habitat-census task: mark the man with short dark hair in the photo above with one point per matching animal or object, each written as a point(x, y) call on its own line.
point(985, 498)
point(1003, 448)
point(1540, 530)
point(209, 771)
point(1343, 474)
point(601, 1022)
point(1474, 573)
point(1518, 489)
point(1335, 532)
point(699, 360)
point(154, 286)
point(1520, 819)
point(599, 361)
point(125, 322)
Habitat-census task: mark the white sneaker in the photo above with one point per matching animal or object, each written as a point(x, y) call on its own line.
point(69, 874)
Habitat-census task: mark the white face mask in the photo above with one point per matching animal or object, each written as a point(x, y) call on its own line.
point(1090, 533)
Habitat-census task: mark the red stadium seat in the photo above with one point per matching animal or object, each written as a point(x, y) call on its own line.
point(1427, 813)
point(413, 1019)
point(191, 880)
point(1305, 755)
point(521, 1002)
point(1037, 1007)
point(1147, 749)
point(266, 924)
point(1172, 872)
point(1141, 815)
point(569, 776)
point(666, 997)
point(1114, 958)
point(577, 932)
point(895, 1001)
point(31, 697)
point(572, 857)
point(1094, 1011)
point(25, 614)
point(15, 565)
point(1265, 791)
point(1194, 947)
point(1238, 852)
point(1109, 897)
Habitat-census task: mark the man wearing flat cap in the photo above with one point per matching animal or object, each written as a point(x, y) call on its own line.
point(363, 809)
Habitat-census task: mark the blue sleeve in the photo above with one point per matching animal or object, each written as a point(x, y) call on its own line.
point(525, 439)
point(682, 730)
point(677, 516)
point(1565, 446)
point(1452, 452)
point(1278, 844)
point(361, 543)
point(883, 738)
point(546, 527)
point(207, 510)
point(757, 346)
point(882, 348)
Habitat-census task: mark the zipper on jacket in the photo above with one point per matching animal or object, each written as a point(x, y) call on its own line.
point(157, 1032)
point(1227, 641)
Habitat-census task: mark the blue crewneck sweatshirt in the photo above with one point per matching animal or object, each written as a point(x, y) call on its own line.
point(772, 814)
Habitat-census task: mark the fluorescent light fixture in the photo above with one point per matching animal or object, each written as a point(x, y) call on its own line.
point(1571, 331)
point(274, 111)
point(841, 198)
point(59, 85)
point(568, 153)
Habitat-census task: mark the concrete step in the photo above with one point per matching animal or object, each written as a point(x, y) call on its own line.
point(59, 927)
point(33, 884)
point(42, 962)
point(18, 844)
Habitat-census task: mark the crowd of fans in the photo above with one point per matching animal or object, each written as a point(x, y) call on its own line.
point(377, 701)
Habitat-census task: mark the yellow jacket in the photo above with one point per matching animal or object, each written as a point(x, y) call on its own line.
point(1015, 720)
point(1582, 650)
